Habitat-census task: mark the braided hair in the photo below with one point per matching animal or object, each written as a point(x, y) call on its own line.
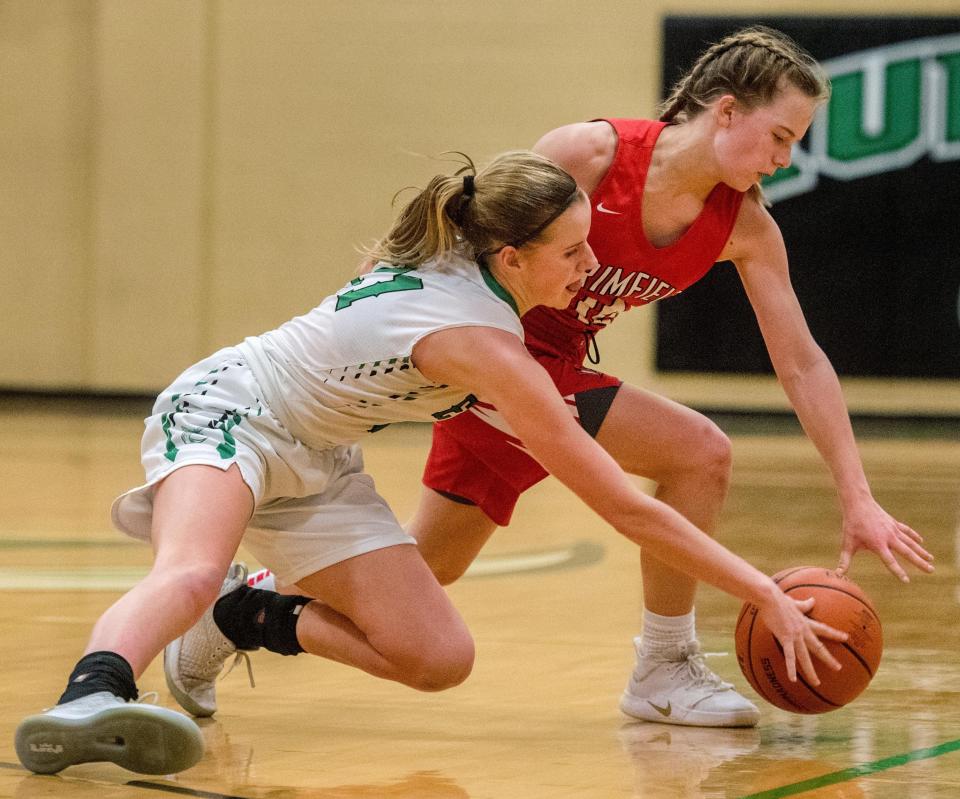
point(751, 65)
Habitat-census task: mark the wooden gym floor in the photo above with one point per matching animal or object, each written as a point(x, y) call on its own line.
point(553, 604)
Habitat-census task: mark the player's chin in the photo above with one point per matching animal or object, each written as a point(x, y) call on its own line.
point(564, 296)
point(745, 183)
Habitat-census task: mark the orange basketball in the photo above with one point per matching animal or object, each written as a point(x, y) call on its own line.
point(842, 604)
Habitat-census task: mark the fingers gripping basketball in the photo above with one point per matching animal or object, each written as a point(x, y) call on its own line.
point(840, 603)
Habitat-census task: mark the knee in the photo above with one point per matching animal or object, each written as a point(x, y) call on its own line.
point(716, 454)
point(195, 586)
point(704, 460)
point(439, 664)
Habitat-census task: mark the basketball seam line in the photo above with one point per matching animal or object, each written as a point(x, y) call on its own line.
point(783, 577)
point(856, 654)
point(809, 687)
point(839, 590)
point(845, 645)
point(753, 670)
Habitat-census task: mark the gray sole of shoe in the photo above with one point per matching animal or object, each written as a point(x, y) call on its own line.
point(135, 737)
point(170, 654)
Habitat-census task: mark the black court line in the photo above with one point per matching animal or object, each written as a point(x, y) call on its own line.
point(180, 790)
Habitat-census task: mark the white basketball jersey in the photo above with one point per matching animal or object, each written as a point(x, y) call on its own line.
point(344, 369)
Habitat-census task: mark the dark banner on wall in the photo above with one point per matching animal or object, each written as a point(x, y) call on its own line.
point(869, 209)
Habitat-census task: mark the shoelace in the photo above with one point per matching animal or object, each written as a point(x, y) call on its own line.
point(241, 655)
point(219, 656)
point(696, 666)
point(237, 574)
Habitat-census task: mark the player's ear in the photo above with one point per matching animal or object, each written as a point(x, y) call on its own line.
point(507, 257)
point(723, 110)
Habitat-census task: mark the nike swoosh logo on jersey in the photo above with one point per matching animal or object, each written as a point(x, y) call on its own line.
point(603, 210)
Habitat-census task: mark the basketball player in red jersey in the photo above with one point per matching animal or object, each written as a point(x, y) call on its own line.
point(670, 198)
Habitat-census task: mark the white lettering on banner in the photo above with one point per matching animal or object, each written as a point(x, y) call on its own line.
point(891, 106)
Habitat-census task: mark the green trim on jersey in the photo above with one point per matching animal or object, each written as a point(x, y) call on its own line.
point(497, 289)
point(383, 266)
point(400, 281)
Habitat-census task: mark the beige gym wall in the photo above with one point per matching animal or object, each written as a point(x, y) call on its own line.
point(176, 174)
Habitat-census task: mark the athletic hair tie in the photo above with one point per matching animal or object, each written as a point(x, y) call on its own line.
point(462, 201)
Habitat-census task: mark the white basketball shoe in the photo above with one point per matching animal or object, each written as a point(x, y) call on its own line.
point(677, 687)
point(192, 662)
point(103, 727)
point(262, 579)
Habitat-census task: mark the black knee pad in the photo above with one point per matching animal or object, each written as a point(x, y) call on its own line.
point(252, 618)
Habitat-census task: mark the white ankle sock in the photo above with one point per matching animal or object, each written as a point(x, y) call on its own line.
point(661, 633)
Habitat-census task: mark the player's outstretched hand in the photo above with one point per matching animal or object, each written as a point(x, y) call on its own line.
point(871, 527)
point(800, 636)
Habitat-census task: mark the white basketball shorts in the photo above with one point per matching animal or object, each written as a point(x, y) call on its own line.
point(313, 508)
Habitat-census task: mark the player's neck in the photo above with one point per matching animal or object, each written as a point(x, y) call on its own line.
point(683, 161)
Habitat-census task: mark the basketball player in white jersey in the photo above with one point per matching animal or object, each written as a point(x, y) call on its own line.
point(258, 442)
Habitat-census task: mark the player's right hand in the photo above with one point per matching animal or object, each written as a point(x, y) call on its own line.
point(799, 635)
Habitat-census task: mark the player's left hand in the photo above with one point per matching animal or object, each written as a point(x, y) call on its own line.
point(871, 527)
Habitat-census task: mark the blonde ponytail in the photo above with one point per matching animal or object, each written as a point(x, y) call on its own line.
point(510, 201)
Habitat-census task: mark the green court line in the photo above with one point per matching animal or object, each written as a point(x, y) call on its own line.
point(856, 771)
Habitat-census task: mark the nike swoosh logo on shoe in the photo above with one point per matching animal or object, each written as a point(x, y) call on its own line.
point(663, 711)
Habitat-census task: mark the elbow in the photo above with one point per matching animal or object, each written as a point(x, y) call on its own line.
point(795, 371)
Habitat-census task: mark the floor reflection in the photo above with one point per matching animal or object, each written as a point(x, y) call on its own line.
point(673, 761)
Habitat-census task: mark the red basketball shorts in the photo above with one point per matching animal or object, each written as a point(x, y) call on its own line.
point(475, 458)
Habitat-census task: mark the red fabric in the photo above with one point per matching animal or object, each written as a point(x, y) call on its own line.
point(475, 457)
point(472, 458)
point(632, 271)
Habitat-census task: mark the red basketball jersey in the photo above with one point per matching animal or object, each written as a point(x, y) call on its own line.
point(631, 270)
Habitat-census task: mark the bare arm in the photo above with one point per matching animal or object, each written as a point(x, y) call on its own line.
point(813, 389)
point(495, 365)
point(584, 149)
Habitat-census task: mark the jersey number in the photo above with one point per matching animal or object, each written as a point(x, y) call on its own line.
point(399, 282)
point(467, 402)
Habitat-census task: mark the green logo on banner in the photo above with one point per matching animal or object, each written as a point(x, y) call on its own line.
point(890, 106)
